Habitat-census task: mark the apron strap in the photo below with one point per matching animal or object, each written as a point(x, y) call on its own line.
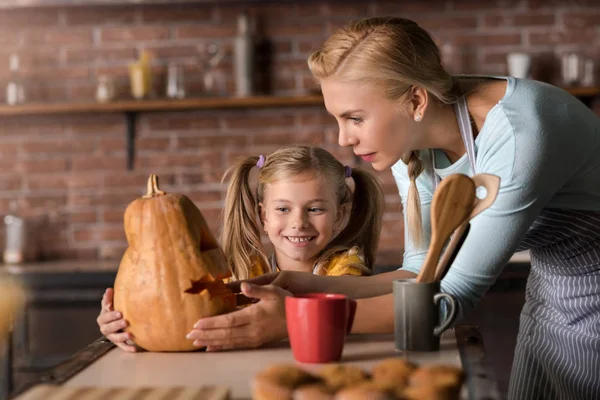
point(466, 132)
point(434, 177)
point(466, 129)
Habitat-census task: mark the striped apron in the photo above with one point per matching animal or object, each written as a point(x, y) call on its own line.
point(558, 346)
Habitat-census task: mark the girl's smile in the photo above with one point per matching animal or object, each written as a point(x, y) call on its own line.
point(300, 240)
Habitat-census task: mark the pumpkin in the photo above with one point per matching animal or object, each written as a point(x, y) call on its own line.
point(171, 275)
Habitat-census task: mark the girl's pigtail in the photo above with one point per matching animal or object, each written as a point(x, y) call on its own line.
point(366, 213)
point(241, 231)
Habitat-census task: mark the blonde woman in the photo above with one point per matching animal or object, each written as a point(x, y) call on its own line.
point(398, 108)
point(320, 216)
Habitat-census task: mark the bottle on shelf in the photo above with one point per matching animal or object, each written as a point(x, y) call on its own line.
point(15, 92)
point(140, 77)
point(243, 57)
point(175, 82)
point(15, 236)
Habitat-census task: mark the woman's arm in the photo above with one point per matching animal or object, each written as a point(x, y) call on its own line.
point(374, 315)
point(265, 321)
point(356, 287)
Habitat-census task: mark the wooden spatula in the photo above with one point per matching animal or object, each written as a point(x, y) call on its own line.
point(491, 183)
point(451, 206)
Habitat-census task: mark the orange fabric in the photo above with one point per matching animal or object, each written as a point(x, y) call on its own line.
point(346, 262)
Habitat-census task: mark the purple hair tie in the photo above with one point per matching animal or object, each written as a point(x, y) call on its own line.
point(348, 171)
point(261, 161)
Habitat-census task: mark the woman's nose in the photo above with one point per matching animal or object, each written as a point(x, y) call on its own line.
point(345, 139)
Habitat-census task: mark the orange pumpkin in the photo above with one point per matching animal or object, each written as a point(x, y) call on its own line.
point(171, 274)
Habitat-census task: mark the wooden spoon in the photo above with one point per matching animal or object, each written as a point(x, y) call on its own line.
point(451, 206)
point(491, 183)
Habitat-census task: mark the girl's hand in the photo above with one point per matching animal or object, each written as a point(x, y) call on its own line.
point(249, 327)
point(111, 323)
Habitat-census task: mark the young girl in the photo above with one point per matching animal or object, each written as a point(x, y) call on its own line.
point(305, 206)
point(320, 216)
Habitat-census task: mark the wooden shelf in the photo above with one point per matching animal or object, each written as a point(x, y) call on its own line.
point(201, 103)
point(162, 105)
point(130, 108)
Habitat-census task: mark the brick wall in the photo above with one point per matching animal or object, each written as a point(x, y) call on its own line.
point(70, 169)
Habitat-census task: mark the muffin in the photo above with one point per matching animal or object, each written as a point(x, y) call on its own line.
point(437, 375)
point(279, 381)
point(314, 391)
point(435, 382)
point(433, 392)
point(365, 390)
point(337, 376)
point(392, 373)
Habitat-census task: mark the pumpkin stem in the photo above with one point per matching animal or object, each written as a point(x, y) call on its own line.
point(153, 189)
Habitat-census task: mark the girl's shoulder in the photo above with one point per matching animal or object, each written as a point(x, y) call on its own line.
point(341, 261)
point(259, 267)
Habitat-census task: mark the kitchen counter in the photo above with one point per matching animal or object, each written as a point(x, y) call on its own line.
point(61, 266)
point(103, 365)
point(63, 300)
point(385, 259)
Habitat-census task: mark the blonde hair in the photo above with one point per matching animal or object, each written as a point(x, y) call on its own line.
point(241, 229)
point(394, 54)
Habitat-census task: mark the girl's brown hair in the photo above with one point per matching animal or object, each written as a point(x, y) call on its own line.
point(241, 228)
point(394, 54)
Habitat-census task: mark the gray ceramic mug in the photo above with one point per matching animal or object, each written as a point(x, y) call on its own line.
point(417, 324)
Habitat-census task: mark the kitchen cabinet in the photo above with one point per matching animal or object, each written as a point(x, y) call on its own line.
point(57, 319)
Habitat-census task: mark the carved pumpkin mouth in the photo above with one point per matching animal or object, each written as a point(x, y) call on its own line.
point(215, 288)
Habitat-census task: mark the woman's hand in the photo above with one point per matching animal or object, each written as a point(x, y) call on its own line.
point(294, 282)
point(111, 323)
point(250, 327)
point(261, 280)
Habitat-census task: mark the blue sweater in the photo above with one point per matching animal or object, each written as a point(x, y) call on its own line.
point(544, 144)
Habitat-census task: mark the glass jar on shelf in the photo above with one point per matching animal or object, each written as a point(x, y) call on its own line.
point(15, 90)
point(105, 91)
point(214, 80)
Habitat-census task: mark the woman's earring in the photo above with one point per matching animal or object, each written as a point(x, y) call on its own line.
point(418, 117)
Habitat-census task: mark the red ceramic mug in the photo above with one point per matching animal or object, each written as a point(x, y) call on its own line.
point(317, 325)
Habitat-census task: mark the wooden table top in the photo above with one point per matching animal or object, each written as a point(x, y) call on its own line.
point(101, 365)
point(235, 369)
